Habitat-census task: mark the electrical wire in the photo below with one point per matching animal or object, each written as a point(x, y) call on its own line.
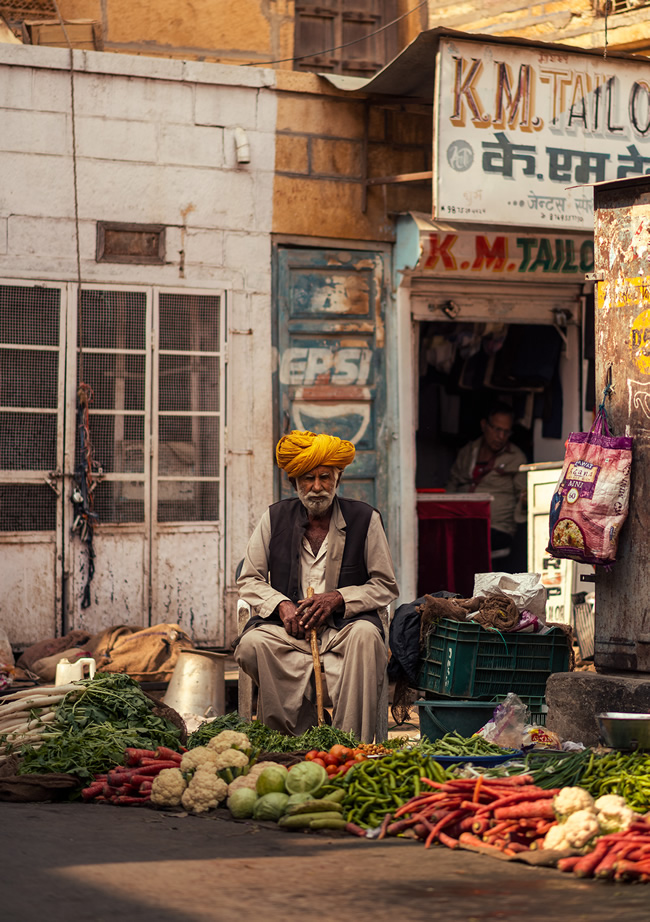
point(356, 41)
point(82, 497)
point(73, 125)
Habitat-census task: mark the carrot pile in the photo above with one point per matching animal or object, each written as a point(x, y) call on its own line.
point(507, 815)
point(130, 784)
point(618, 856)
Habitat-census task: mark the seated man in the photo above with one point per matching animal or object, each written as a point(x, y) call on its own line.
point(490, 464)
point(338, 548)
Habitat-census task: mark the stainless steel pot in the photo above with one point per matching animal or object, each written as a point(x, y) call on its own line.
point(197, 685)
point(624, 730)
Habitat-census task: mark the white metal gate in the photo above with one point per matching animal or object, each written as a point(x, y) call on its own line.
point(154, 364)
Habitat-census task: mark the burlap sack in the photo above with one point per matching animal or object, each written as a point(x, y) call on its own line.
point(147, 655)
point(52, 646)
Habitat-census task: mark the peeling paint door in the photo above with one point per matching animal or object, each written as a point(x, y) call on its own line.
point(155, 362)
point(187, 463)
point(331, 357)
point(32, 337)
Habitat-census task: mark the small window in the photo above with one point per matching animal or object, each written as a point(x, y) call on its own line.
point(609, 7)
point(130, 243)
point(341, 37)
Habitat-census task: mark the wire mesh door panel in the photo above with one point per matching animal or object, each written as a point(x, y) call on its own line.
point(32, 333)
point(187, 496)
point(112, 453)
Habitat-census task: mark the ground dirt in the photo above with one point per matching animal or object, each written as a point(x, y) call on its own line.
point(93, 863)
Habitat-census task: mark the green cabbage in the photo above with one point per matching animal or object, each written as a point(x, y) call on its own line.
point(271, 780)
point(270, 806)
point(306, 778)
point(299, 798)
point(241, 803)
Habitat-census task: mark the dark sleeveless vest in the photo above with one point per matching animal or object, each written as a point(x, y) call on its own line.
point(288, 524)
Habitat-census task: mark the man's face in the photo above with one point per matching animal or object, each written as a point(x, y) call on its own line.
point(496, 431)
point(317, 488)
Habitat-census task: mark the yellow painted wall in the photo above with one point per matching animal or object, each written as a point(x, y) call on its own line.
point(227, 31)
point(322, 158)
point(252, 31)
point(319, 182)
point(577, 22)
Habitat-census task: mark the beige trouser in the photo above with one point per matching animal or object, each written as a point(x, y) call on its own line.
point(354, 663)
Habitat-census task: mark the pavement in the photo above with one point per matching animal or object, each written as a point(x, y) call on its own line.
point(75, 862)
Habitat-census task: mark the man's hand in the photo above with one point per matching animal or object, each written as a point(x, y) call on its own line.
point(289, 616)
point(313, 612)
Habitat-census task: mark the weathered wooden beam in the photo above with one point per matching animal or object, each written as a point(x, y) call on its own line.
point(399, 177)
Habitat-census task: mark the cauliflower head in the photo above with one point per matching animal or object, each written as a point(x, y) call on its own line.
point(197, 757)
point(167, 788)
point(204, 791)
point(231, 758)
point(227, 739)
point(571, 800)
point(243, 781)
point(259, 767)
point(555, 838)
point(613, 814)
point(580, 828)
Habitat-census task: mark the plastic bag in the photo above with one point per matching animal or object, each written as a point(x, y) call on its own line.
point(591, 498)
point(506, 728)
point(525, 589)
point(528, 623)
point(540, 738)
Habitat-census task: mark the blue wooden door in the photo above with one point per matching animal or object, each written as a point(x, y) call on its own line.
point(330, 337)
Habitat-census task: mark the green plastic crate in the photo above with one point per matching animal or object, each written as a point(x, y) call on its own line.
point(440, 717)
point(464, 660)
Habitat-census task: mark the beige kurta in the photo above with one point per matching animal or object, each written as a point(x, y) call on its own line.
point(353, 658)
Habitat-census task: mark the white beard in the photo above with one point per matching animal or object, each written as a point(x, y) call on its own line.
point(315, 503)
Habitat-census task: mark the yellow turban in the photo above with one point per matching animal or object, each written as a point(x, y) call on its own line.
point(301, 451)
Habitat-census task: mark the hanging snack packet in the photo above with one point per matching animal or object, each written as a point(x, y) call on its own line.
point(591, 498)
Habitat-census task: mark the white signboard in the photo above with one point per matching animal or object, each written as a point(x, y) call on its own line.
point(518, 126)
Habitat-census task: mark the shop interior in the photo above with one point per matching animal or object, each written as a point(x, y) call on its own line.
point(465, 368)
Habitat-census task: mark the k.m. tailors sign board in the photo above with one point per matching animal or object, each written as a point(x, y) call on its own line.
point(521, 130)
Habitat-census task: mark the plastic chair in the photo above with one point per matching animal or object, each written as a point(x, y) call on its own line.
point(245, 683)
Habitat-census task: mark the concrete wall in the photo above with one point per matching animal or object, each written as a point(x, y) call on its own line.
point(155, 145)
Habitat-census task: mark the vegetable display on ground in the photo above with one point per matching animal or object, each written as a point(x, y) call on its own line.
point(83, 729)
point(376, 787)
point(453, 744)
point(267, 740)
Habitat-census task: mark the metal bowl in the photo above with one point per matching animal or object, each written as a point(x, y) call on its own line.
point(625, 731)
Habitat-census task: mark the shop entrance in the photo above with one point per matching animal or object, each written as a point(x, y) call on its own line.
point(465, 369)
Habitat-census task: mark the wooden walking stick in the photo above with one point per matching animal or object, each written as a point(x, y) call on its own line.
point(315, 655)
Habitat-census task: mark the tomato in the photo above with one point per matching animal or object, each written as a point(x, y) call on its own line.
point(322, 754)
point(311, 755)
point(332, 770)
point(349, 764)
point(318, 762)
point(360, 757)
point(330, 760)
point(340, 752)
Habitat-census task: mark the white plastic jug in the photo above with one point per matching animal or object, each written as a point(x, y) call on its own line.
point(66, 672)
